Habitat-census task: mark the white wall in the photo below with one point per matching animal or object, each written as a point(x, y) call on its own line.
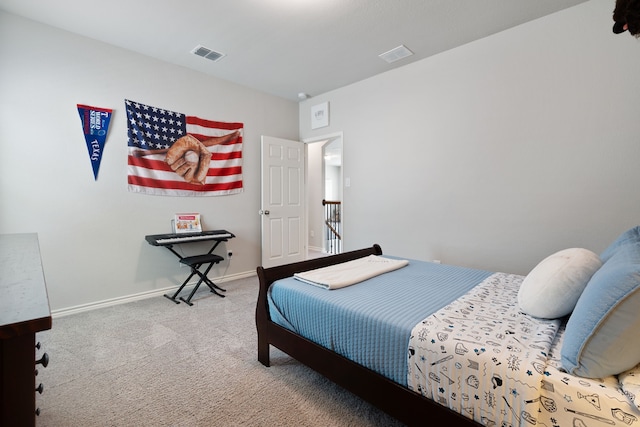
point(333, 188)
point(92, 232)
point(498, 153)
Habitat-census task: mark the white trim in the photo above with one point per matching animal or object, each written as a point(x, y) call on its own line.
point(139, 296)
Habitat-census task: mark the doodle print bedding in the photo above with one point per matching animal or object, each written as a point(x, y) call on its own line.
point(583, 402)
point(482, 357)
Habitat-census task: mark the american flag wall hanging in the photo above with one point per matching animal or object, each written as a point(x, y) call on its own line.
point(173, 154)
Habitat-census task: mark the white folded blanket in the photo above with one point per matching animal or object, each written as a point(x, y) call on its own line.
point(350, 272)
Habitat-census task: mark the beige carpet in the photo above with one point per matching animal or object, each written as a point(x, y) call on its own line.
point(155, 363)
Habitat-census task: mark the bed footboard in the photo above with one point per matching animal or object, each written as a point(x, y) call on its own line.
point(266, 331)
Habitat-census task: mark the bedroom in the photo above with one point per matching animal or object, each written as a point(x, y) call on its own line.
point(551, 163)
point(519, 144)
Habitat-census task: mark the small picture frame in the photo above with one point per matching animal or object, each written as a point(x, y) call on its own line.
point(320, 115)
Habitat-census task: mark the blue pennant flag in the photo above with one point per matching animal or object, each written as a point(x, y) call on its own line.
point(95, 123)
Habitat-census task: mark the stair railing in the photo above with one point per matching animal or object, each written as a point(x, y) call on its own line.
point(333, 225)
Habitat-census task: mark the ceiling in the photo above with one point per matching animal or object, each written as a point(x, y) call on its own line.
point(284, 47)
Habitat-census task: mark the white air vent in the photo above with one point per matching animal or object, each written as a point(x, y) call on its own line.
point(396, 54)
point(205, 52)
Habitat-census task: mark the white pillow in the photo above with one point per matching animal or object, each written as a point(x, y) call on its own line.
point(552, 288)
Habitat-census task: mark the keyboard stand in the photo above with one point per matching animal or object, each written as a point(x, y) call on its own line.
point(196, 262)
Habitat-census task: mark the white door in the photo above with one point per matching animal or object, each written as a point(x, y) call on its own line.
point(283, 202)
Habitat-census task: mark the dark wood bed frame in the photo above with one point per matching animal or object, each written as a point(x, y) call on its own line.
point(396, 400)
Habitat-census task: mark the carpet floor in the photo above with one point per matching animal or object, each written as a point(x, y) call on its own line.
point(154, 363)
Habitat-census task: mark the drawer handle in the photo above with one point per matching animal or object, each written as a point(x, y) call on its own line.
point(44, 360)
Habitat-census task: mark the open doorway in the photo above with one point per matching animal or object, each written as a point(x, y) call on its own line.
point(325, 184)
point(332, 202)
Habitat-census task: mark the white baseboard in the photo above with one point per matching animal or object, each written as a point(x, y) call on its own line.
point(139, 296)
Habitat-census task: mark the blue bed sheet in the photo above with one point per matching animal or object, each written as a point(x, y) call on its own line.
point(370, 322)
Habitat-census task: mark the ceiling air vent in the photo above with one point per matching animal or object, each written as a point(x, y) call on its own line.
point(396, 54)
point(205, 52)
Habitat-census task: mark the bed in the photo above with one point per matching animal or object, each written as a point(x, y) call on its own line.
point(473, 356)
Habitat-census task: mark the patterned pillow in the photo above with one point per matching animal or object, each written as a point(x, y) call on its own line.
point(551, 290)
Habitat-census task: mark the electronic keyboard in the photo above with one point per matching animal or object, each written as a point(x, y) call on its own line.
point(175, 238)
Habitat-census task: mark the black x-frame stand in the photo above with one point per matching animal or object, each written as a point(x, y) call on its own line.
point(194, 262)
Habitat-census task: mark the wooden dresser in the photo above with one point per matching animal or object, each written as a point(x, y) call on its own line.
point(24, 310)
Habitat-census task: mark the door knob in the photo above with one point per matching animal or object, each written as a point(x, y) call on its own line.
point(265, 212)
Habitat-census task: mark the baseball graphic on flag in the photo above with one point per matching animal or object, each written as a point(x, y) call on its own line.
point(189, 158)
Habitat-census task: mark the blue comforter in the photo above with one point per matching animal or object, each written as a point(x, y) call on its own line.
point(370, 322)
